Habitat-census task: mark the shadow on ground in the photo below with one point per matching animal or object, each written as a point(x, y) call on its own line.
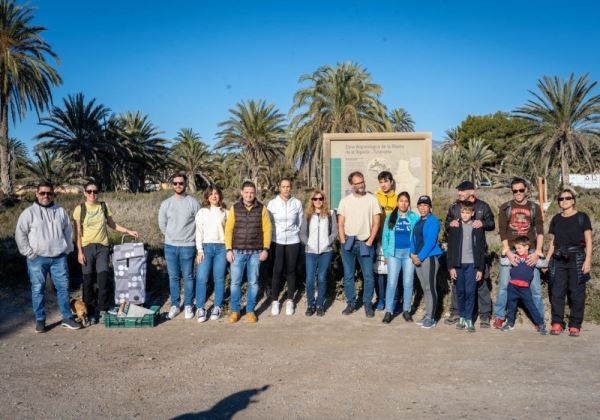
point(227, 407)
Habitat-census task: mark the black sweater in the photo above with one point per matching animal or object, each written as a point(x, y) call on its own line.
point(455, 236)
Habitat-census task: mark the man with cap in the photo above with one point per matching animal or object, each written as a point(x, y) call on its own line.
point(484, 219)
point(425, 252)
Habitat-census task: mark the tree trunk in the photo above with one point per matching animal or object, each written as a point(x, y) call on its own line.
point(564, 166)
point(191, 182)
point(5, 177)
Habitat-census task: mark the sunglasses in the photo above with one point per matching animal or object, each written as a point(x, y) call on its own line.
point(564, 198)
point(91, 191)
point(317, 199)
point(520, 190)
point(178, 183)
point(46, 193)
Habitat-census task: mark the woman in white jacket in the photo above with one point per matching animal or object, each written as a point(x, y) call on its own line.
point(211, 253)
point(317, 232)
point(286, 213)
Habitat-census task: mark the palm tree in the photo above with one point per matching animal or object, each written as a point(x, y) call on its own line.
point(18, 157)
point(146, 151)
point(25, 76)
point(447, 167)
point(191, 155)
point(76, 132)
point(339, 100)
point(476, 158)
point(565, 120)
point(256, 130)
point(401, 120)
point(51, 167)
point(452, 139)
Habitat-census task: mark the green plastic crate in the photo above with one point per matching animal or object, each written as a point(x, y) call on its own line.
point(146, 321)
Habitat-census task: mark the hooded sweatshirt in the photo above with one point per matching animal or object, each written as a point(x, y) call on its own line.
point(44, 231)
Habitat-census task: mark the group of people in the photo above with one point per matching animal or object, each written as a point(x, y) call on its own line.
point(380, 231)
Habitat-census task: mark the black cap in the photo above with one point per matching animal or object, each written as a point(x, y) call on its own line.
point(465, 185)
point(424, 199)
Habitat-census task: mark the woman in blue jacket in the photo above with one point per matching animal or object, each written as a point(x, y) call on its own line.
point(424, 251)
point(397, 233)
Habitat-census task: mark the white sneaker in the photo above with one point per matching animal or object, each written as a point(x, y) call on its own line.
point(201, 314)
point(173, 312)
point(289, 307)
point(189, 312)
point(275, 308)
point(215, 314)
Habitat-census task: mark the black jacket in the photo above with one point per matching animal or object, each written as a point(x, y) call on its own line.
point(455, 236)
point(482, 210)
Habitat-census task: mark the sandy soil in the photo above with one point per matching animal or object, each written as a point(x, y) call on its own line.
point(292, 367)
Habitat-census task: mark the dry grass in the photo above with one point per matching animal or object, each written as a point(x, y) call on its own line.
point(140, 212)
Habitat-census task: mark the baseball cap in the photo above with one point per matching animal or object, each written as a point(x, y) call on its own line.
point(424, 199)
point(465, 185)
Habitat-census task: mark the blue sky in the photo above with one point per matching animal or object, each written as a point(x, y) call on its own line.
point(186, 63)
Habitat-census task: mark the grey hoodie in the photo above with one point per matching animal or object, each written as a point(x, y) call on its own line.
point(44, 231)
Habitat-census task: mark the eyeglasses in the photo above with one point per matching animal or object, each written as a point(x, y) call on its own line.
point(520, 190)
point(178, 183)
point(564, 198)
point(358, 183)
point(317, 199)
point(46, 193)
point(92, 191)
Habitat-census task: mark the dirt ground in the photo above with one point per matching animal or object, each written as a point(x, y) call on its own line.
point(292, 367)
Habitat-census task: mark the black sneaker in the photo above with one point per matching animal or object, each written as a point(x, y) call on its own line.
point(40, 326)
point(484, 323)
point(451, 320)
point(369, 313)
point(310, 311)
point(71, 324)
point(320, 311)
point(349, 309)
point(387, 318)
point(407, 316)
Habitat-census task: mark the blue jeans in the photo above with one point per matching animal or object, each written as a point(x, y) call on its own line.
point(59, 271)
point(180, 263)
point(501, 295)
point(366, 265)
point(314, 262)
point(399, 262)
point(466, 290)
point(214, 258)
point(250, 262)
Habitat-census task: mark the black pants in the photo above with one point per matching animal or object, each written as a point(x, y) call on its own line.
point(284, 256)
point(96, 260)
point(566, 285)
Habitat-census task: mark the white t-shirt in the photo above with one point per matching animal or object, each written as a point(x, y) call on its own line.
point(358, 212)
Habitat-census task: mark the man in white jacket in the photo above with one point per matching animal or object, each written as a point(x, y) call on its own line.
point(45, 236)
point(286, 213)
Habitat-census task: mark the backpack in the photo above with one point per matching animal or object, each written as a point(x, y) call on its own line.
point(83, 209)
point(329, 222)
point(531, 210)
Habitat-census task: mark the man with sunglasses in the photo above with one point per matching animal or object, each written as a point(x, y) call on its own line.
point(177, 221)
point(92, 219)
point(44, 235)
point(519, 217)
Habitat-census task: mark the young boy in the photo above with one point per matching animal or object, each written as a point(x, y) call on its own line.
point(387, 197)
point(466, 262)
point(521, 276)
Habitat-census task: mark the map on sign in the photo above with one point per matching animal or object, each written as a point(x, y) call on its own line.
point(406, 155)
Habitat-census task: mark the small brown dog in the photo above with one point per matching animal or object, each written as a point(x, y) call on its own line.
point(80, 308)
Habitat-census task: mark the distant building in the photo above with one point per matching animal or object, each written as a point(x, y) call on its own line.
point(588, 181)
